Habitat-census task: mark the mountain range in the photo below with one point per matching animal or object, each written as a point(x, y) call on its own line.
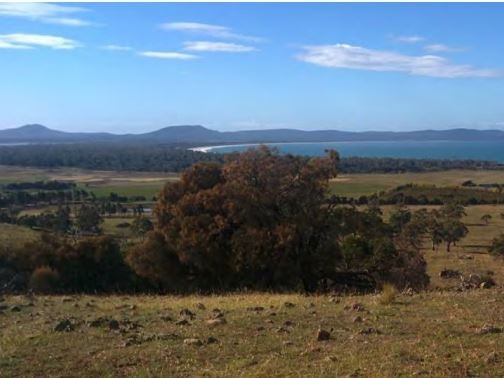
point(199, 135)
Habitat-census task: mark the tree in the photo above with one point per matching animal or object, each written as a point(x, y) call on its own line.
point(497, 247)
point(258, 220)
point(452, 231)
point(399, 217)
point(486, 218)
point(88, 219)
point(141, 226)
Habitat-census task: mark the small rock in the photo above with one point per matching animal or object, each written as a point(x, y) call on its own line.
point(182, 322)
point(282, 329)
point(64, 326)
point(449, 273)
point(15, 309)
point(255, 308)
point(492, 358)
point(113, 325)
point(487, 328)
point(187, 313)
point(369, 331)
point(323, 335)
point(216, 322)
point(212, 340)
point(196, 342)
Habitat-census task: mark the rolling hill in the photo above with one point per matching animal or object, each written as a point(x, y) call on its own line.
point(199, 135)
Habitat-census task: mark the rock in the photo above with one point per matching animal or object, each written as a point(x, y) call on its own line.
point(492, 358)
point(15, 309)
point(200, 306)
point(289, 305)
point(195, 342)
point(282, 329)
point(255, 308)
point(357, 319)
point(485, 285)
point(98, 322)
point(323, 335)
point(166, 318)
point(187, 314)
point(355, 307)
point(369, 331)
point(212, 340)
point(182, 322)
point(449, 273)
point(216, 322)
point(487, 328)
point(217, 314)
point(64, 326)
point(113, 325)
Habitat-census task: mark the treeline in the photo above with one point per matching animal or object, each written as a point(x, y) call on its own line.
point(173, 158)
point(260, 221)
point(415, 194)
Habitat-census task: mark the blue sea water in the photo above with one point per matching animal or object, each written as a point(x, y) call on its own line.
point(478, 150)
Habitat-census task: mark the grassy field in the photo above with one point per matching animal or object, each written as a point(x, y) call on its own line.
point(438, 334)
point(102, 183)
point(363, 184)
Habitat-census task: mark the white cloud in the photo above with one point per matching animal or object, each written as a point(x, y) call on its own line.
point(216, 31)
point(360, 58)
point(29, 41)
point(409, 39)
point(217, 47)
point(439, 47)
point(167, 55)
point(116, 48)
point(44, 12)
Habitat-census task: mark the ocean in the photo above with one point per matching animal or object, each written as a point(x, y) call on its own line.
point(478, 150)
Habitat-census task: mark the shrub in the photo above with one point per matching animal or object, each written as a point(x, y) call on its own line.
point(44, 280)
point(388, 294)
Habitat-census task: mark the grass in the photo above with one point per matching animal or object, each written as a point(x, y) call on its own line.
point(356, 185)
point(431, 334)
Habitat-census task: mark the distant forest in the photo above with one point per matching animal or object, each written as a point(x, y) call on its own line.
point(175, 158)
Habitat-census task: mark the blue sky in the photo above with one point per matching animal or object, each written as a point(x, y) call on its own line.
point(139, 67)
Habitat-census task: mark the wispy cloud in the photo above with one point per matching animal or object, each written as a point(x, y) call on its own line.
point(217, 47)
point(30, 41)
point(216, 31)
point(167, 55)
point(439, 47)
point(44, 12)
point(360, 58)
point(116, 48)
point(409, 39)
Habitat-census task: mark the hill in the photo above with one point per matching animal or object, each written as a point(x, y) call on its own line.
point(196, 134)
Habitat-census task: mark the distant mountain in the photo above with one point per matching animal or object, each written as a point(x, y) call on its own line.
point(199, 135)
point(40, 134)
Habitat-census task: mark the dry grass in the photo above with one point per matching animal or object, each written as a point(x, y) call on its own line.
point(431, 334)
point(388, 294)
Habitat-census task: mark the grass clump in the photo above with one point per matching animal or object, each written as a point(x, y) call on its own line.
point(388, 295)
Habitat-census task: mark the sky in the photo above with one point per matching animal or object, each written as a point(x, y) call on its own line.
point(132, 68)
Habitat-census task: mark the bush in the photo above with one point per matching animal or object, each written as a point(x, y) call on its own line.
point(388, 294)
point(44, 280)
